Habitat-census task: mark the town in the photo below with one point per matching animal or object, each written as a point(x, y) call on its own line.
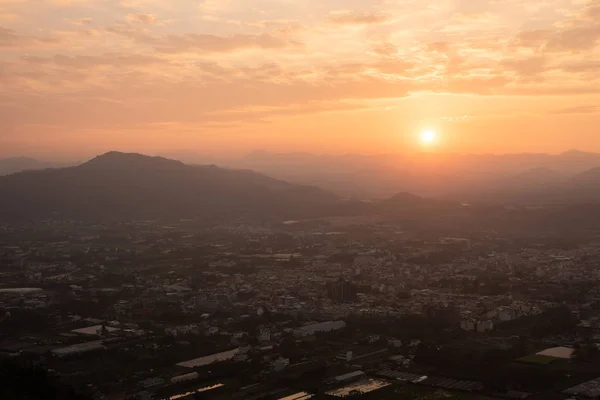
point(321, 308)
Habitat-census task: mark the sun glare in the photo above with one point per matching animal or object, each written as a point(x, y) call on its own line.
point(428, 137)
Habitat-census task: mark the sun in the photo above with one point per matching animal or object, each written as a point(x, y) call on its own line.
point(428, 137)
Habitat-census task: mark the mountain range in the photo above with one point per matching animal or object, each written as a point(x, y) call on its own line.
point(464, 177)
point(371, 177)
point(118, 185)
point(124, 186)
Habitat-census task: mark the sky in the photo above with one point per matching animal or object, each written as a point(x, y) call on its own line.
point(81, 77)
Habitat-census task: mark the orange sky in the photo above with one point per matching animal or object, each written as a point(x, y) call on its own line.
point(80, 77)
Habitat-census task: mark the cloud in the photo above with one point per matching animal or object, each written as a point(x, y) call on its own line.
point(353, 18)
point(579, 33)
point(527, 67)
point(142, 18)
point(575, 38)
point(385, 49)
point(84, 62)
point(10, 39)
point(83, 21)
point(532, 38)
point(582, 66)
point(250, 61)
point(393, 66)
point(577, 110)
point(215, 44)
point(592, 11)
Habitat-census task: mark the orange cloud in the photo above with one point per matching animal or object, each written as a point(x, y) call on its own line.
point(10, 39)
point(120, 66)
point(142, 18)
point(216, 44)
point(353, 18)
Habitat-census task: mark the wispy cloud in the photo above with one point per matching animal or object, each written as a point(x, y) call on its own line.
point(577, 110)
point(355, 18)
point(142, 18)
point(88, 63)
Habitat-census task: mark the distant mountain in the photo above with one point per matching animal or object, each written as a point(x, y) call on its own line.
point(118, 185)
point(582, 188)
point(426, 174)
point(542, 187)
point(132, 186)
point(535, 176)
point(521, 187)
point(17, 164)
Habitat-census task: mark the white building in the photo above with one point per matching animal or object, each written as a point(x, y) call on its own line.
point(329, 326)
point(345, 355)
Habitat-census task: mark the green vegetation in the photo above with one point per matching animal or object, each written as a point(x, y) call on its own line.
point(538, 359)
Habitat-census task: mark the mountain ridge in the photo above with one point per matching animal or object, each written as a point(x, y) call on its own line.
point(133, 185)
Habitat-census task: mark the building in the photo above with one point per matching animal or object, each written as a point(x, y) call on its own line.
point(373, 338)
point(485, 326)
point(213, 330)
point(468, 325)
point(351, 376)
point(185, 378)
point(342, 291)
point(202, 361)
point(78, 349)
point(345, 356)
point(505, 315)
point(122, 307)
point(152, 382)
point(280, 364)
point(96, 330)
point(264, 335)
point(329, 326)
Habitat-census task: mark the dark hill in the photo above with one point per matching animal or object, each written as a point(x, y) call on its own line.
point(118, 185)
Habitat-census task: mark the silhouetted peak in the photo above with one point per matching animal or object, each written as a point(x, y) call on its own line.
point(575, 153)
point(118, 160)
